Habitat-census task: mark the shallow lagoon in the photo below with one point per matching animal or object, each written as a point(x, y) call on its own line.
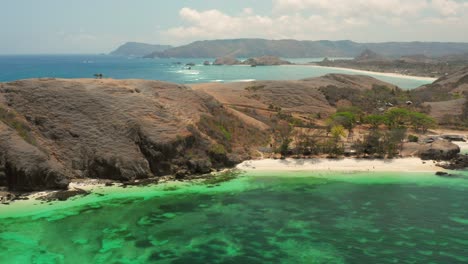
point(293, 217)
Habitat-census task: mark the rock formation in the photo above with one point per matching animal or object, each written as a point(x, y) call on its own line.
point(439, 150)
point(226, 60)
point(265, 61)
point(52, 130)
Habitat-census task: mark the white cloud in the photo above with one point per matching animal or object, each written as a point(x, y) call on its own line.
point(347, 8)
point(361, 20)
point(344, 8)
point(447, 7)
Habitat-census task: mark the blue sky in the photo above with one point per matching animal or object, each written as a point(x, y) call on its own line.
point(85, 26)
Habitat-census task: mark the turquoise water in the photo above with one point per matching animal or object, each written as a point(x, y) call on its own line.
point(84, 66)
point(297, 217)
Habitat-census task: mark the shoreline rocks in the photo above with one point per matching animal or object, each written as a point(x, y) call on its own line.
point(63, 195)
point(439, 150)
point(457, 163)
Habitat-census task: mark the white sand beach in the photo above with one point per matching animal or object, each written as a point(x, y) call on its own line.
point(388, 74)
point(346, 164)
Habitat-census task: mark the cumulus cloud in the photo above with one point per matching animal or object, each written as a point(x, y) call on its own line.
point(362, 20)
point(372, 7)
point(350, 8)
point(212, 24)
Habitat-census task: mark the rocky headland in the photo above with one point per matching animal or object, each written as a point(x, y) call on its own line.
point(53, 131)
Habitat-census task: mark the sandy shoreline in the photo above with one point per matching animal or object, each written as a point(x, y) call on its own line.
point(387, 74)
point(345, 165)
point(341, 165)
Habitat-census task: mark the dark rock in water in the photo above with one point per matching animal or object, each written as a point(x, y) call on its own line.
point(64, 195)
point(143, 244)
point(206, 63)
point(441, 173)
point(439, 150)
point(7, 197)
point(457, 163)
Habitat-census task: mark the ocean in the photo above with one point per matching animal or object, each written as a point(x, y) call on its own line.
point(289, 217)
point(17, 67)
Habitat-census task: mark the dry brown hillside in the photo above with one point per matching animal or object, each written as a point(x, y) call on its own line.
point(53, 130)
point(445, 97)
point(303, 98)
point(56, 129)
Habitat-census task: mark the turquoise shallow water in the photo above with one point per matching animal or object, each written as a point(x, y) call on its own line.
point(296, 217)
point(84, 66)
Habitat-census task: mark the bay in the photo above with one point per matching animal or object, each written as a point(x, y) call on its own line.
point(15, 67)
point(293, 217)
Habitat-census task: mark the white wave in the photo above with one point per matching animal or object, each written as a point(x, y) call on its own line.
point(244, 80)
point(188, 72)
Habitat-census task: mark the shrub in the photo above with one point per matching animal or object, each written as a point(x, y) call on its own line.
point(218, 149)
point(23, 130)
point(413, 138)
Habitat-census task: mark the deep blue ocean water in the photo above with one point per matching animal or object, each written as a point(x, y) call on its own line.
point(16, 67)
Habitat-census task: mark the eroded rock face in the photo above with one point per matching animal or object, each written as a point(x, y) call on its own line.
point(439, 150)
point(25, 167)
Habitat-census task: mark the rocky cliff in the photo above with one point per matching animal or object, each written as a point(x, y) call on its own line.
point(52, 130)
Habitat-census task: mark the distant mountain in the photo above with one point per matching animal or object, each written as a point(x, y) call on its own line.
point(305, 49)
point(136, 49)
point(246, 48)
